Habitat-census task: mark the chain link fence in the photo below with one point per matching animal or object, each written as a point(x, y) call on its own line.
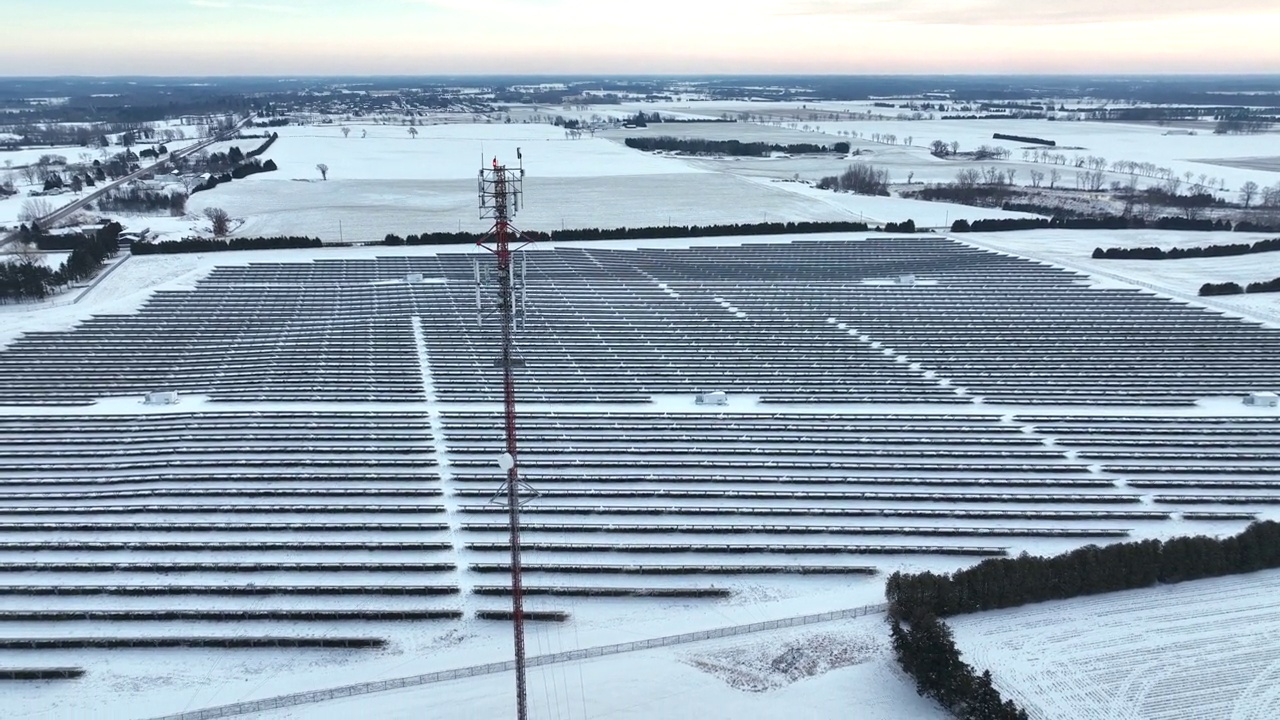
point(366, 688)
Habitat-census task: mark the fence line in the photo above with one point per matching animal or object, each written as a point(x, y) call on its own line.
point(366, 688)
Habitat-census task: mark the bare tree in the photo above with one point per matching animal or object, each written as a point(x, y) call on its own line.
point(1248, 192)
point(20, 253)
point(968, 177)
point(30, 173)
point(345, 131)
point(219, 220)
point(324, 171)
point(955, 147)
point(1037, 177)
point(1011, 173)
point(34, 209)
point(1271, 196)
point(413, 132)
point(1054, 177)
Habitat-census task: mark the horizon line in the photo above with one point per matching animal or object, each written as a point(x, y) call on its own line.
point(1257, 74)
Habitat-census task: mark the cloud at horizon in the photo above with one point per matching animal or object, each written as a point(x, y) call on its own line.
point(321, 37)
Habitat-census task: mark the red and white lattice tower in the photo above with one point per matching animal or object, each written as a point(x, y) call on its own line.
point(501, 193)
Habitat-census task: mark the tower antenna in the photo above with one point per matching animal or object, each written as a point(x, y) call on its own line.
point(501, 194)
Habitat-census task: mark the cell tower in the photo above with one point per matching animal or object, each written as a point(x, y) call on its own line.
point(501, 194)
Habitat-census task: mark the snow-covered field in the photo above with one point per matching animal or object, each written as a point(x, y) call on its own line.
point(840, 668)
point(1232, 159)
point(392, 182)
point(1203, 650)
point(1181, 278)
point(383, 180)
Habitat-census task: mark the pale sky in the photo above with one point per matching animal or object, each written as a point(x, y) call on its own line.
point(424, 37)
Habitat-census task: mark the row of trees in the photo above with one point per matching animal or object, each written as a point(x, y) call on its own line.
point(1230, 288)
point(243, 170)
point(1101, 222)
point(196, 245)
point(1025, 139)
point(1090, 570)
point(136, 199)
point(1155, 253)
point(735, 148)
point(26, 278)
point(625, 233)
point(266, 145)
point(926, 650)
point(907, 226)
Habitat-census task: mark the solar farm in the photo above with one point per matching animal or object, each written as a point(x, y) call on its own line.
point(326, 481)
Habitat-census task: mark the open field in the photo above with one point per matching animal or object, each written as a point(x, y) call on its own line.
point(1208, 649)
point(1232, 158)
point(1265, 164)
point(369, 209)
point(390, 182)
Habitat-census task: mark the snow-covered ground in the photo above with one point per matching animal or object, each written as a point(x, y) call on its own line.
point(381, 179)
point(840, 666)
point(1203, 650)
point(1180, 278)
point(391, 182)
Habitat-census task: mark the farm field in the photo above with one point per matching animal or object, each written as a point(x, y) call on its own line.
point(1232, 158)
point(1208, 650)
point(390, 182)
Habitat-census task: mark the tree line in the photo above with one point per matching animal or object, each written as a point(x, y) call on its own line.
point(243, 170)
point(1230, 288)
point(1100, 222)
point(659, 232)
point(640, 233)
point(1025, 139)
point(926, 651)
point(190, 245)
point(1155, 253)
point(266, 145)
point(1009, 582)
point(134, 199)
point(731, 147)
point(29, 279)
point(195, 245)
point(906, 226)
